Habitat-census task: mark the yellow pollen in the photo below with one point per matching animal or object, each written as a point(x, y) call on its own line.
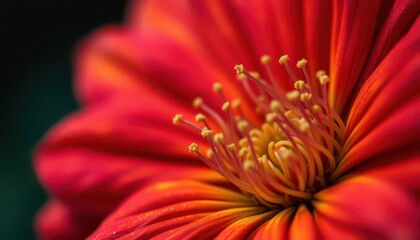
point(256, 75)
point(316, 108)
point(270, 117)
point(292, 95)
point(239, 68)
point(236, 103)
point(243, 151)
point(242, 125)
point(206, 132)
point(225, 106)
point(231, 147)
point(319, 73)
point(265, 59)
point(286, 153)
point(241, 77)
point(197, 102)
point(193, 148)
point(209, 153)
point(274, 105)
point(217, 87)
point(299, 84)
point(303, 125)
point(305, 97)
point(324, 79)
point(200, 117)
point(177, 119)
point(301, 63)
point(219, 138)
point(290, 114)
point(283, 59)
point(248, 164)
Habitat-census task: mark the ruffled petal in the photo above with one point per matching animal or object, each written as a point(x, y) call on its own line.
point(57, 221)
point(184, 208)
point(97, 157)
point(367, 208)
point(352, 35)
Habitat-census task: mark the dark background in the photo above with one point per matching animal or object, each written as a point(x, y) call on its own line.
point(37, 40)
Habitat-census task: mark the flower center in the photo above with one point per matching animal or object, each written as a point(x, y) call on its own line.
point(289, 155)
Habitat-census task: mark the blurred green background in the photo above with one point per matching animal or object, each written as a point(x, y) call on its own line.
point(37, 39)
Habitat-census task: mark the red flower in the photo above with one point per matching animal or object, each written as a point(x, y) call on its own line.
point(329, 156)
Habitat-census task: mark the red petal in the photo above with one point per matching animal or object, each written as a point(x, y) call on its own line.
point(397, 130)
point(95, 158)
point(367, 208)
point(277, 227)
point(56, 221)
point(353, 29)
point(397, 76)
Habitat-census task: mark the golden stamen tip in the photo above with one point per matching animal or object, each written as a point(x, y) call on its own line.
point(206, 132)
point(274, 105)
point(200, 117)
point(177, 119)
point(225, 106)
point(299, 84)
point(219, 138)
point(292, 95)
point(283, 59)
point(248, 164)
point(239, 68)
point(217, 87)
point(316, 108)
point(265, 59)
point(193, 148)
point(319, 73)
point(256, 75)
point(301, 63)
point(209, 153)
point(305, 97)
point(242, 125)
point(303, 125)
point(231, 147)
point(270, 117)
point(241, 77)
point(197, 102)
point(243, 151)
point(324, 79)
point(236, 103)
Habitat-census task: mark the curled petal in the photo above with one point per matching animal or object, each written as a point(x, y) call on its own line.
point(277, 227)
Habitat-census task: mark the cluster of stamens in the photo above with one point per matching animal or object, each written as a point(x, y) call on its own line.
point(287, 157)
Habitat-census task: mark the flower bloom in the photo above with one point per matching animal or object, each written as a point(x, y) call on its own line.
point(322, 143)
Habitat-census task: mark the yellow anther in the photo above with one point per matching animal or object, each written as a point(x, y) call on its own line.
point(225, 106)
point(256, 75)
point(275, 105)
point(242, 152)
point(219, 138)
point(217, 87)
point(265, 59)
point(292, 95)
point(290, 114)
point(209, 153)
point(304, 97)
point(248, 164)
point(200, 117)
point(301, 63)
point(319, 73)
point(283, 59)
point(270, 117)
point(193, 148)
point(303, 125)
point(241, 77)
point(242, 125)
point(299, 84)
point(231, 147)
point(197, 102)
point(206, 132)
point(239, 68)
point(177, 119)
point(236, 103)
point(316, 108)
point(324, 79)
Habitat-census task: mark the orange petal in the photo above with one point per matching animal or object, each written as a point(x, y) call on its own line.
point(303, 225)
point(368, 208)
point(277, 227)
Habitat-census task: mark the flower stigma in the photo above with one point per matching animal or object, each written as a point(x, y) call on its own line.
point(286, 157)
